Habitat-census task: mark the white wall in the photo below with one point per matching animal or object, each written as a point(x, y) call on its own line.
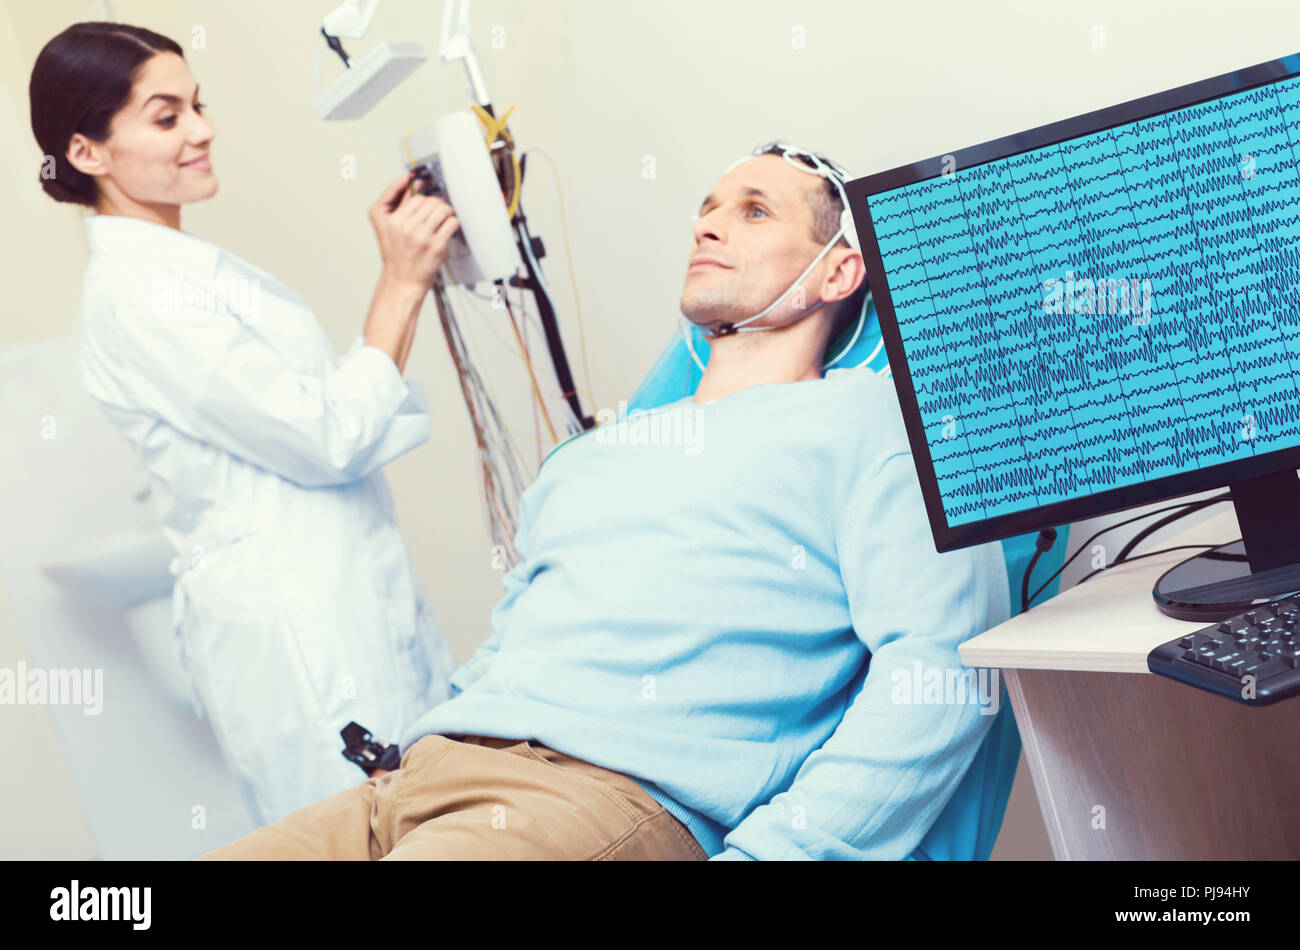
point(148, 778)
point(38, 818)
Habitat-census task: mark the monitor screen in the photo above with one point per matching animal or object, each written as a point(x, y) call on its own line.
point(1107, 317)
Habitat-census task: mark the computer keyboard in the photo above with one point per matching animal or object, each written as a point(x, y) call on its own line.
point(1263, 643)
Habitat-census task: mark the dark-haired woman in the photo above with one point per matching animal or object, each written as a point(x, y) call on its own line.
point(296, 607)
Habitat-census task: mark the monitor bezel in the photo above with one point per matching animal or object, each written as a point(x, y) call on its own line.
point(949, 537)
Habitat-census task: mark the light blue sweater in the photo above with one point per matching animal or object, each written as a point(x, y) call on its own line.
point(699, 590)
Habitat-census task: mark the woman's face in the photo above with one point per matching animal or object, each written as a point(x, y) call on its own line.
point(154, 142)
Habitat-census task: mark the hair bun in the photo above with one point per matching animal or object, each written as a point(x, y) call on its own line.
point(57, 189)
point(69, 187)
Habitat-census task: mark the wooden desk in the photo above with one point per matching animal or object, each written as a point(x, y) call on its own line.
point(1130, 765)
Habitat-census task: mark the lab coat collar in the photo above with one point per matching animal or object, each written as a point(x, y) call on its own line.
point(120, 234)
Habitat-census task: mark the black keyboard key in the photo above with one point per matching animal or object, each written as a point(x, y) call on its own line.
point(1271, 668)
point(1221, 661)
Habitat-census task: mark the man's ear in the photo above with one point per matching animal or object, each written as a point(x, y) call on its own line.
point(85, 156)
point(846, 274)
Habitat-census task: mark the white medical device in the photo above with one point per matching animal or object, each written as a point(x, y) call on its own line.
point(454, 46)
point(452, 150)
point(367, 81)
point(349, 20)
point(363, 83)
point(468, 158)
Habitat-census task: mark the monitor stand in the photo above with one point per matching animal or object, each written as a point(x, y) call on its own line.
point(1264, 564)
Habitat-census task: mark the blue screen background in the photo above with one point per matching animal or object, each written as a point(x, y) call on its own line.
point(1032, 389)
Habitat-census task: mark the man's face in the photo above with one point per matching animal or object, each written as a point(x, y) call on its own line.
point(757, 224)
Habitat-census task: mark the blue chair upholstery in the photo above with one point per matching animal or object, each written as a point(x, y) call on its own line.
point(968, 826)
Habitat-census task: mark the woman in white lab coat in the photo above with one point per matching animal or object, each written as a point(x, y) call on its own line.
point(297, 608)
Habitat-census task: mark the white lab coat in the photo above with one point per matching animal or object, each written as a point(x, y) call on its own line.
point(296, 607)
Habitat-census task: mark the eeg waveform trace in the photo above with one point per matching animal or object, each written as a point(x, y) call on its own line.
point(1115, 308)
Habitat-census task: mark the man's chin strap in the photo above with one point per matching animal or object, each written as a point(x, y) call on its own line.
point(727, 329)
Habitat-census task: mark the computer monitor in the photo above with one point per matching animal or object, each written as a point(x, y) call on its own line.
point(1102, 313)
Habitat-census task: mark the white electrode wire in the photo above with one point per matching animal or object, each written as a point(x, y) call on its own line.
point(544, 379)
point(862, 318)
point(741, 328)
point(505, 493)
point(502, 447)
point(526, 361)
point(504, 455)
point(491, 516)
point(685, 326)
point(862, 321)
point(537, 268)
point(686, 338)
point(497, 454)
point(879, 344)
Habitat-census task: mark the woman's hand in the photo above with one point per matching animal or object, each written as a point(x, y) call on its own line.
point(413, 232)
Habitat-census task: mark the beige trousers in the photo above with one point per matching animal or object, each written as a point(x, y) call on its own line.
point(478, 798)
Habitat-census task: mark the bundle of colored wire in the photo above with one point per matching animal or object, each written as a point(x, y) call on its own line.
point(498, 460)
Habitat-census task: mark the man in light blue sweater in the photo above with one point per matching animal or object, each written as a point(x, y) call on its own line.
point(735, 600)
point(695, 612)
